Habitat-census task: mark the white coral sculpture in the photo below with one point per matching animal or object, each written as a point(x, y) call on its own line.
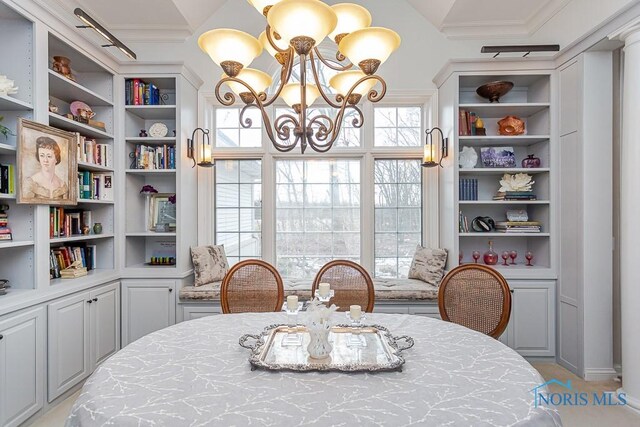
point(517, 182)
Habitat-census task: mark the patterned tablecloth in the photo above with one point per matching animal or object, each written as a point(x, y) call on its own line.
point(196, 374)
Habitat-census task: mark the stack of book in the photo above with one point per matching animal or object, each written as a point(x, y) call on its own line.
point(61, 258)
point(518, 226)
point(467, 123)
point(138, 92)
point(74, 270)
point(468, 189)
point(514, 195)
point(5, 231)
point(95, 185)
point(154, 157)
point(90, 151)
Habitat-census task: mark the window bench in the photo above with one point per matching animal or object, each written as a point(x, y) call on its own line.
point(406, 296)
point(386, 290)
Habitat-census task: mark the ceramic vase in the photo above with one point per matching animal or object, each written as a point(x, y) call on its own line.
point(97, 228)
point(319, 346)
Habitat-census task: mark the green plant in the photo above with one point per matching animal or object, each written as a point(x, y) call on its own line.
point(5, 130)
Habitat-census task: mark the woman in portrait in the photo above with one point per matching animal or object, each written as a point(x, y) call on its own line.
point(45, 184)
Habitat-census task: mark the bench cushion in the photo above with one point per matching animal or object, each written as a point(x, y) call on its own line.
point(386, 289)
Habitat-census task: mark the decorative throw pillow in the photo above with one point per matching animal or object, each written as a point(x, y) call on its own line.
point(428, 265)
point(209, 264)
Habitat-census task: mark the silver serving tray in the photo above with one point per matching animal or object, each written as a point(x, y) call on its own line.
point(382, 351)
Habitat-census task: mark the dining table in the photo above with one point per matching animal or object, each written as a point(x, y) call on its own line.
point(195, 373)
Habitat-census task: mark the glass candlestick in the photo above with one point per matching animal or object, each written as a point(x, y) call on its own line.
point(476, 256)
point(355, 338)
point(326, 298)
point(292, 307)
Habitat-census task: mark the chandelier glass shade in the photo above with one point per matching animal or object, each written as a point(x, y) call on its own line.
point(295, 28)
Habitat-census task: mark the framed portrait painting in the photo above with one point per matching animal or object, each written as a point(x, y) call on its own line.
point(47, 165)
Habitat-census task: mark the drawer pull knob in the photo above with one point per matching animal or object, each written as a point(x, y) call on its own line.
point(95, 299)
point(170, 289)
point(1, 336)
point(89, 302)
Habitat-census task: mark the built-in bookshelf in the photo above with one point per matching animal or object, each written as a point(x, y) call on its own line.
point(474, 188)
point(17, 255)
point(151, 160)
point(155, 130)
point(73, 229)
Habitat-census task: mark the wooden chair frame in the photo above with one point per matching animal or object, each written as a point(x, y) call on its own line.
point(224, 288)
point(356, 266)
point(506, 293)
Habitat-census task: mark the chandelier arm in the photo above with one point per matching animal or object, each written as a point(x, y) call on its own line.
point(314, 71)
point(285, 74)
point(330, 64)
point(272, 43)
point(303, 102)
point(323, 130)
point(373, 95)
point(229, 98)
point(284, 132)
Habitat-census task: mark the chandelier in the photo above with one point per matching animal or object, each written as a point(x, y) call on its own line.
point(296, 27)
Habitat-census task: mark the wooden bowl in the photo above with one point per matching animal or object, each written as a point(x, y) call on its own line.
point(494, 90)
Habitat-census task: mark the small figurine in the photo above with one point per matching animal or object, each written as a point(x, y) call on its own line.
point(480, 129)
point(143, 133)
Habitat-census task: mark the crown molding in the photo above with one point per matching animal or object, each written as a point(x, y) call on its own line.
point(492, 65)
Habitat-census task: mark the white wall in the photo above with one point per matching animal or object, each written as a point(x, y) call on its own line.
point(423, 52)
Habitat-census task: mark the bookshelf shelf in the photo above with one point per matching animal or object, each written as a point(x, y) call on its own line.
point(7, 196)
point(95, 202)
point(151, 234)
point(7, 149)
point(64, 123)
point(520, 109)
point(501, 171)
point(152, 112)
point(149, 266)
point(150, 171)
point(9, 103)
point(93, 167)
point(67, 90)
point(504, 202)
point(499, 140)
point(16, 244)
point(151, 141)
point(504, 234)
point(81, 238)
point(93, 276)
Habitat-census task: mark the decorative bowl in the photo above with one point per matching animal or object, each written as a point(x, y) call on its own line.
point(494, 90)
point(510, 126)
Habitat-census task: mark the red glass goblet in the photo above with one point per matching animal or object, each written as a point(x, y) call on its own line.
point(476, 256)
point(529, 257)
point(513, 255)
point(505, 257)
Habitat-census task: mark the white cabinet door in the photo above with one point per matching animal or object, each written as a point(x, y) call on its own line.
point(69, 339)
point(21, 366)
point(105, 322)
point(147, 306)
point(191, 312)
point(531, 327)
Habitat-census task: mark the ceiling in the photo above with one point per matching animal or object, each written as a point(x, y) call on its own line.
point(176, 20)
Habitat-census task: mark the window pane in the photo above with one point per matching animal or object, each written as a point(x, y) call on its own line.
point(231, 133)
point(325, 223)
point(398, 215)
point(398, 127)
point(238, 213)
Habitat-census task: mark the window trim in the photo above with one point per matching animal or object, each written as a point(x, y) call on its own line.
point(367, 152)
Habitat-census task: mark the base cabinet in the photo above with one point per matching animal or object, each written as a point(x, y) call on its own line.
point(83, 332)
point(22, 342)
point(196, 311)
point(531, 329)
point(147, 306)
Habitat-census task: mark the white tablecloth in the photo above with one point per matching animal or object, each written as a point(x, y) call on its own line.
point(196, 374)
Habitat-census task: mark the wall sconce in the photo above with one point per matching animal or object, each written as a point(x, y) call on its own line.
point(113, 41)
point(430, 158)
point(527, 48)
point(206, 161)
